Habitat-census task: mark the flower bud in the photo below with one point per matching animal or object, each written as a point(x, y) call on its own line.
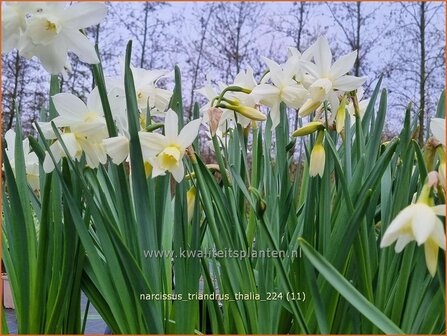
point(308, 107)
point(341, 115)
point(309, 129)
point(248, 112)
point(317, 160)
point(190, 201)
point(317, 157)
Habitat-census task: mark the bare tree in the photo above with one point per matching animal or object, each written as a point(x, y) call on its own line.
point(361, 31)
point(23, 85)
point(298, 25)
point(232, 39)
point(417, 69)
point(146, 28)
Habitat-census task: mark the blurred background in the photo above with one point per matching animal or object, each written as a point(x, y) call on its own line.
point(403, 42)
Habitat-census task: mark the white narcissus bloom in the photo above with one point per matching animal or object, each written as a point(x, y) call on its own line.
point(244, 79)
point(295, 63)
point(86, 120)
point(283, 89)
point(165, 152)
point(418, 222)
point(329, 77)
point(148, 94)
point(31, 160)
point(54, 29)
point(84, 129)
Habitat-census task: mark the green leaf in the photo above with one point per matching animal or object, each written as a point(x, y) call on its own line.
point(348, 291)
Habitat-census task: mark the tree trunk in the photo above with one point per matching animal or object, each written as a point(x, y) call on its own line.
point(422, 73)
point(357, 42)
point(14, 92)
point(199, 57)
point(143, 45)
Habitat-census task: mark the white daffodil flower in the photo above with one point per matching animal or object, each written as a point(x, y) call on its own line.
point(295, 62)
point(54, 29)
point(283, 89)
point(86, 120)
point(148, 95)
point(76, 145)
point(418, 222)
point(14, 23)
point(329, 77)
point(437, 127)
point(244, 79)
point(31, 160)
point(84, 129)
point(165, 152)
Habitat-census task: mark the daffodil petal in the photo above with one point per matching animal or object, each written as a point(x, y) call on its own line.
point(437, 127)
point(171, 125)
point(343, 65)
point(348, 83)
point(178, 172)
point(69, 106)
point(85, 14)
point(189, 133)
point(81, 46)
point(323, 55)
point(423, 222)
point(402, 241)
point(431, 256)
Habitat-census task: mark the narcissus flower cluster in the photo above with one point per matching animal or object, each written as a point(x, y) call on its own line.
point(48, 30)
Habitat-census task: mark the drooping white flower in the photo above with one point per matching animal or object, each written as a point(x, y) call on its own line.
point(165, 152)
point(283, 89)
point(329, 77)
point(84, 129)
point(54, 29)
point(418, 222)
point(31, 160)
